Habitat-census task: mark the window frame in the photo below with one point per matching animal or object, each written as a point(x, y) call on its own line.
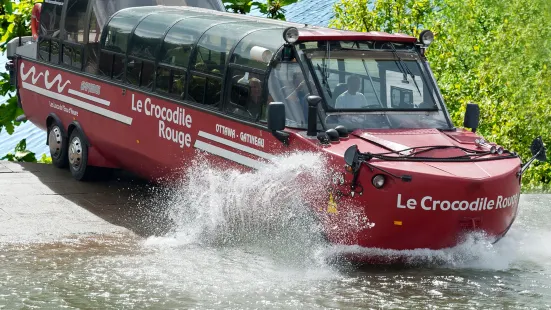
point(62, 43)
point(73, 46)
point(228, 88)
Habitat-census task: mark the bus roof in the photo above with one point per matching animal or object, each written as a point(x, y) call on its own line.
point(131, 17)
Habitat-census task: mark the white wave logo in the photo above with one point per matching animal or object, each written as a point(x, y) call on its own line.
point(31, 71)
point(58, 79)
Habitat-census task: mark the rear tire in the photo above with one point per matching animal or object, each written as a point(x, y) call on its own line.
point(78, 157)
point(58, 146)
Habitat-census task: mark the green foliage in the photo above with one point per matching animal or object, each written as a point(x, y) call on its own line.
point(492, 52)
point(21, 153)
point(15, 19)
point(392, 16)
point(271, 8)
point(45, 159)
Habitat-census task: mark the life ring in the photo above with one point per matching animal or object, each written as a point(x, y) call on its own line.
point(35, 20)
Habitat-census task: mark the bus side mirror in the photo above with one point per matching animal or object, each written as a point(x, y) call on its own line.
point(313, 102)
point(276, 116)
point(538, 149)
point(472, 116)
point(276, 121)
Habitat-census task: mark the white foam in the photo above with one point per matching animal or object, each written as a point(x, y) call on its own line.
point(264, 210)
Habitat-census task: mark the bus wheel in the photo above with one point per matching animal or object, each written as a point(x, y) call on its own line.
point(58, 146)
point(78, 157)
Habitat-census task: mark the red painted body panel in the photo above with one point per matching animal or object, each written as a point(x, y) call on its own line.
point(341, 35)
point(442, 201)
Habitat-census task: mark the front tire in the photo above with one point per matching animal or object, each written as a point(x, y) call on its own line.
point(78, 157)
point(58, 146)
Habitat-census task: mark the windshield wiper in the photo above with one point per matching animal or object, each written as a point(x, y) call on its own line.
point(404, 68)
point(371, 81)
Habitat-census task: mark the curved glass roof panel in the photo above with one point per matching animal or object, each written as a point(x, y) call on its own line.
point(218, 41)
point(257, 49)
point(103, 9)
point(174, 31)
point(180, 39)
point(120, 26)
point(149, 34)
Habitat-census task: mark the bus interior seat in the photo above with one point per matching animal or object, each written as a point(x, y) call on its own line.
point(339, 90)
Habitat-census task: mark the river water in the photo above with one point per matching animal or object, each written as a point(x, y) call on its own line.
point(241, 241)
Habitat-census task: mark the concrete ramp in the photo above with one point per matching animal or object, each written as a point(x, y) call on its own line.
point(40, 202)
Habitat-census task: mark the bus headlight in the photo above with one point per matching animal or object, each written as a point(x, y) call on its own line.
point(426, 37)
point(290, 35)
point(378, 181)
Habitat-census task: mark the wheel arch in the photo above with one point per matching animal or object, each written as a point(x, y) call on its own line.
point(54, 119)
point(76, 125)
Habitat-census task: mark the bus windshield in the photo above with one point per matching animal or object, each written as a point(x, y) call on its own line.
point(364, 87)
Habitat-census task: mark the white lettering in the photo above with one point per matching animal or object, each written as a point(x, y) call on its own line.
point(428, 208)
point(188, 120)
point(479, 204)
point(399, 202)
point(498, 203)
point(171, 134)
point(247, 138)
point(226, 131)
point(446, 207)
point(136, 106)
point(175, 116)
point(148, 107)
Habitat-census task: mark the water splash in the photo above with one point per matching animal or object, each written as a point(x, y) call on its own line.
point(515, 250)
point(263, 211)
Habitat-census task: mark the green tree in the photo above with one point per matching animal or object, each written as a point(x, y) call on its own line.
point(491, 52)
point(271, 8)
point(15, 19)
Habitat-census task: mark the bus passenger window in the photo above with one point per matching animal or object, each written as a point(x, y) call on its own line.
point(91, 63)
point(54, 54)
point(133, 70)
point(163, 80)
point(106, 64)
point(94, 35)
point(118, 67)
point(72, 56)
point(172, 82)
point(147, 75)
point(246, 95)
point(210, 61)
point(178, 83)
point(50, 18)
point(44, 49)
point(205, 90)
point(75, 20)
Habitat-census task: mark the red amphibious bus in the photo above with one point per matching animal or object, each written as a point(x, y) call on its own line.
point(146, 86)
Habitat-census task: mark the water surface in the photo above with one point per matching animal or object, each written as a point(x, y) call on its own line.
point(239, 242)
